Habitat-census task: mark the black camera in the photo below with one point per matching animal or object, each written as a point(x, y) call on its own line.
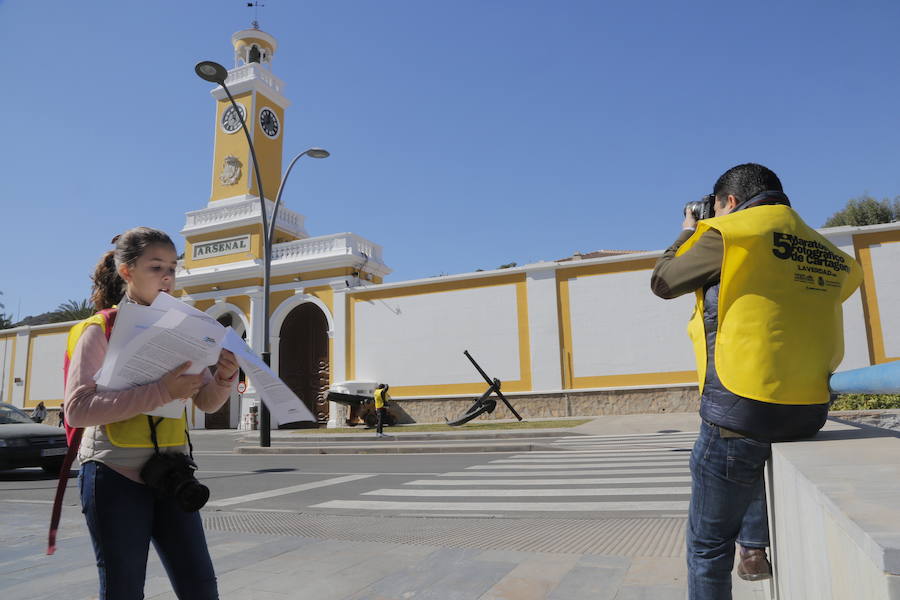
point(702, 208)
point(171, 475)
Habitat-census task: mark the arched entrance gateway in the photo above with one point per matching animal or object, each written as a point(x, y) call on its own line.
point(303, 358)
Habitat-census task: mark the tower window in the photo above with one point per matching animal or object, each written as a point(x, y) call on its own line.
point(254, 54)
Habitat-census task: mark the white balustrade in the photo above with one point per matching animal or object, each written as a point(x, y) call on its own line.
point(254, 71)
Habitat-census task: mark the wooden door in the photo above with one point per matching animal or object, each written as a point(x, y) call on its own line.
point(303, 358)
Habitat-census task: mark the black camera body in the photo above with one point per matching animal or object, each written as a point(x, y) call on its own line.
point(171, 475)
point(703, 208)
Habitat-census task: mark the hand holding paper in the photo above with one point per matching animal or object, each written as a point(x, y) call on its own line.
point(281, 401)
point(152, 343)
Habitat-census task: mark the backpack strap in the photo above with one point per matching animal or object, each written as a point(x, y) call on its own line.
point(73, 437)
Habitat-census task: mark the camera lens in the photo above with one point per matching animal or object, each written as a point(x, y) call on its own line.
point(191, 495)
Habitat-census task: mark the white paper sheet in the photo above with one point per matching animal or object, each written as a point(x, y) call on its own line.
point(154, 350)
point(284, 405)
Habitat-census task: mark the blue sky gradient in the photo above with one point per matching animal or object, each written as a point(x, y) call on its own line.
point(463, 134)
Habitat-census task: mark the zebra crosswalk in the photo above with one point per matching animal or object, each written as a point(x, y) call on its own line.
point(613, 475)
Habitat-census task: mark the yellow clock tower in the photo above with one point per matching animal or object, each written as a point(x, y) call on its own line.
point(223, 270)
point(229, 229)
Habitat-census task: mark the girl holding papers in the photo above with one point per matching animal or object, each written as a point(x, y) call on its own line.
point(124, 514)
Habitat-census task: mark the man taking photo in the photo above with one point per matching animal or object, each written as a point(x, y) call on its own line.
point(767, 332)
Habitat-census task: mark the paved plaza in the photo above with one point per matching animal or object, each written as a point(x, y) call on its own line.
point(588, 513)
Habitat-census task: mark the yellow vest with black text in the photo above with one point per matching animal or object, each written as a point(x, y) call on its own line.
point(133, 432)
point(780, 326)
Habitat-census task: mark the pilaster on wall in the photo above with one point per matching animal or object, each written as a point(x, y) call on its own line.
point(255, 338)
point(339, 348)
point(543, 327)
point(20, 367)
point(255, 333)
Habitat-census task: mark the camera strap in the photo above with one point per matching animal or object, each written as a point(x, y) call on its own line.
point(156, 444)
point(153, 431)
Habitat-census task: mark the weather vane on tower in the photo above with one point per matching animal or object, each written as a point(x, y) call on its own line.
point(256, 6)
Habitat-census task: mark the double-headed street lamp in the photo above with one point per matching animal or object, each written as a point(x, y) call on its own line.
point(216, 73)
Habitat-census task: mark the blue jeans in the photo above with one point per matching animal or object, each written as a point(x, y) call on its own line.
point(123, 517)
point(727, 504)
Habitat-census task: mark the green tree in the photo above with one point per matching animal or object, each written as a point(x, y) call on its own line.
point(866, 210)
point(73, 310)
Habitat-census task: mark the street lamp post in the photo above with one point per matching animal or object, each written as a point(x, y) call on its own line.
point(264, 419)
point(216, 73)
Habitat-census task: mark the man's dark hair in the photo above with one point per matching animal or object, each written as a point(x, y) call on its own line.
point(745, 181)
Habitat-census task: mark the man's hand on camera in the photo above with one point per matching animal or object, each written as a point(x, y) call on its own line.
point(180, 385)
point(689, 221)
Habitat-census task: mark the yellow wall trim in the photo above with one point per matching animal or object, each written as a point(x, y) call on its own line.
point(437, 287)
point(869, 292)
point(635, 379)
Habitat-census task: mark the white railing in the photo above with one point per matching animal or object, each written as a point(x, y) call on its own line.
point(254, 71)
point(242, 210)
point(338, 244)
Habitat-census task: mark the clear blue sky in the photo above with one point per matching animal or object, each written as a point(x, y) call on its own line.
point(464, 134)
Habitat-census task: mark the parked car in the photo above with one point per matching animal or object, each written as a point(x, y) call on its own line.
point(24, 443)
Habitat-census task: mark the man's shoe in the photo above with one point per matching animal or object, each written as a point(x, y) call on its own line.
point(754, 565)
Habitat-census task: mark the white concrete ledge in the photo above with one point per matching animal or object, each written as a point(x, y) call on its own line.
point(835, 515)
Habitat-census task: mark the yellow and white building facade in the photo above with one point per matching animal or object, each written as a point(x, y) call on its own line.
point(566, 338)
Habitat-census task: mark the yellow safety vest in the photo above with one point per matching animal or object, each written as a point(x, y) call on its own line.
point(133, 432)
point(780, 329)
point(380, 398)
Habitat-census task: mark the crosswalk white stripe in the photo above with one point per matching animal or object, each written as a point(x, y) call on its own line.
point(632, 436)
point(667, 463)
point(638, 450)
point(641, 444)
point(557, 473)
point(598, 460)
point(647, 491)
point(575, 481)
point(287, 490)
point(624, 440)
point(674, 505)
point(608, 452)
point(602, 453)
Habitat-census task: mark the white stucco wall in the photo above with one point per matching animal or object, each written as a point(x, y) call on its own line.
point(419, 339)
point(619, 327)
point(47, 368)
point(886, 268)
point(856, 340)
point(6, 351)
point(543, 329)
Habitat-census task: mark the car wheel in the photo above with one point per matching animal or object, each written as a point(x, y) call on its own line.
point(52, 467)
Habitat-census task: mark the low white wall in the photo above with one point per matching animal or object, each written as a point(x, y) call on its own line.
point(834, 505)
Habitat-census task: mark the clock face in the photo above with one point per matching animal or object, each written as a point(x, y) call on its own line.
point(268, 121)
point(230, 120)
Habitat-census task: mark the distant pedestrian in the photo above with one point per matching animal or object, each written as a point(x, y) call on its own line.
point(39, 413)
point(381, 397)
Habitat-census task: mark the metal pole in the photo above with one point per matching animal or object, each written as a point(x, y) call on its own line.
point(265, 435)
point(280, 191)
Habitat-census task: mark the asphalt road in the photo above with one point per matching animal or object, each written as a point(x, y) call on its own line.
point(582, 477)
